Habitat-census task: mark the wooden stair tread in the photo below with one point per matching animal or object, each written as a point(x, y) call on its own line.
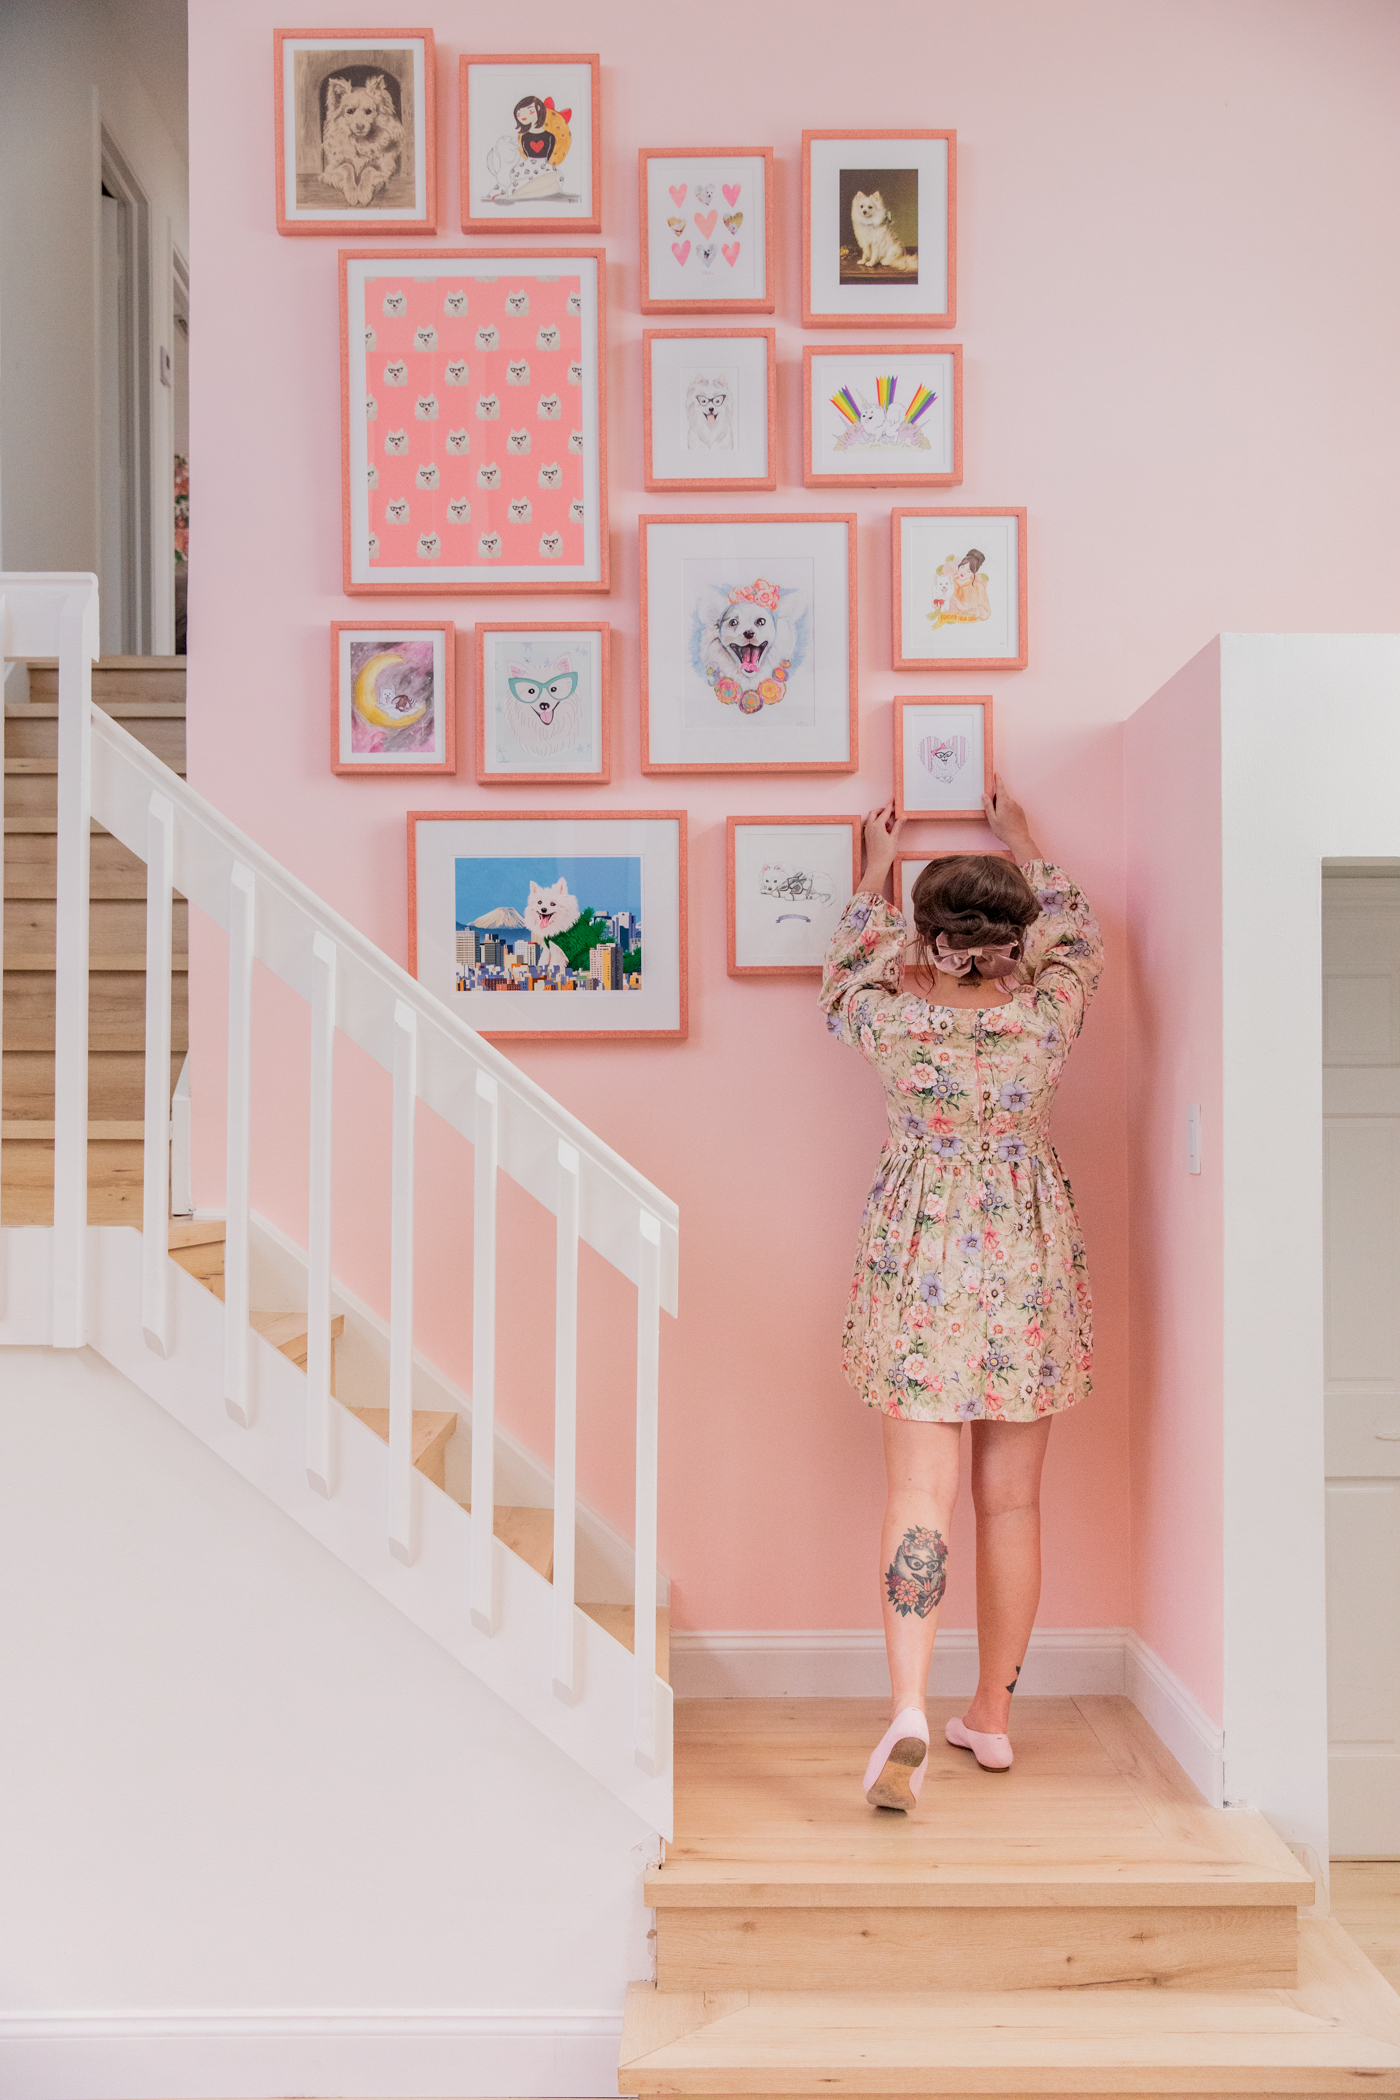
point(192, 1232)
point(1339, 2026)
point(619, 1620)
point(433, 1428)
point(287, 1330)
point(34, 1132)
point(975, 1884)
point(120, 710)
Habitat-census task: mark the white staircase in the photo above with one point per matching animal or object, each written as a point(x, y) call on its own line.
point(225, 1370)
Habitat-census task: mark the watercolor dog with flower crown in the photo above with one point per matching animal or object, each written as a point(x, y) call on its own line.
point(747, 642)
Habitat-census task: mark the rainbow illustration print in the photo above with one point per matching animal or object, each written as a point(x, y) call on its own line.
point(881, 425)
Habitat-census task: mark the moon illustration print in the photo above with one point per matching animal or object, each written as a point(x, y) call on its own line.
point(391, 698)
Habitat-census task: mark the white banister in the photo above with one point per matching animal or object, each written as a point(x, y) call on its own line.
point(241, 937)
point(565, 1422)
point(644, 1543)
point(484, 1354)
point(70, 1065)
point(181, 1170)
point(155, 1195)
point(401, 1539)
point(319, 1344)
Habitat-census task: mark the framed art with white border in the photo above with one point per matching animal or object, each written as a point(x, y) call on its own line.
point(789, 880)
point(706, 230)
point(959, 586)
point(882, 416)
point(356, 135)
point(531, 155)
point(709, 408)
point(552, 924)
point(748, 643)
point(908, 867)
point(879, 229)
point(942, 756)
point(473, 420)
point(543, 703)
point(393, 696)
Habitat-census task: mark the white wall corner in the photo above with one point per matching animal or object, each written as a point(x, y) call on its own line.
point(1194, 1739)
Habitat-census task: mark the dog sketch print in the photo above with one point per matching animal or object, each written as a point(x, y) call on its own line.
point(709, 412)
point(355, 129)
point(450, 495)
point(881, 425)
point(794, 888)
point(943, 757)
point(746, 642)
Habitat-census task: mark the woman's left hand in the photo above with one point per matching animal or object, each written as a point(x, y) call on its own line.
point(882, 829)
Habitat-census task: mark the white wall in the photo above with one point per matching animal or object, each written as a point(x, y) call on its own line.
point(65, 74)
point(236, 1784)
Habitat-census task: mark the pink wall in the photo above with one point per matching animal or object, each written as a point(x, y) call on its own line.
point(1171, 242)
point(1176, 1243)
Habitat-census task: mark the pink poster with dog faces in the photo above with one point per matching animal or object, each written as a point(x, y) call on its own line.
point(475, 456)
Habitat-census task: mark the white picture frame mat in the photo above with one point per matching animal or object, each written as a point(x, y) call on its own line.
point(439, 845)
point(496, 650)
point(363, 270)
point(309, 214)
point(668, 280)
point(924, 543)
point(831, 370)
point(345, 705)
point(672, 358)
point(762, 738)
point(965, 793)
point(825, 291)
point(824, 846)
point(485, 101)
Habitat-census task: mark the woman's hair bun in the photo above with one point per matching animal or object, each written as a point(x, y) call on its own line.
point(978, 900)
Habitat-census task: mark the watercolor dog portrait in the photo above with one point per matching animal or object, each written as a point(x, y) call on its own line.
point(959, 589)
point(706, 237)
point(748, 637)
point(530, 143)
point(942, 757)
point(392, 697)
point(878, 219)
point(559, 924)
point(355, 132)
point(790, 879)
point(473, 448)
point(709, 408)
point(542, 703)
point(883, 417)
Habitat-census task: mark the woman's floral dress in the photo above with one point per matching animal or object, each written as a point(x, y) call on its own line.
point(970, 1300)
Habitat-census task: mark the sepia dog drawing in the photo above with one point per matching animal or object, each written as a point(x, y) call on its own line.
point(362, 141)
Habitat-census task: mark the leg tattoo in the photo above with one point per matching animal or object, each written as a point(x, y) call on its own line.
point(916, 1579)
point(1012, 1686)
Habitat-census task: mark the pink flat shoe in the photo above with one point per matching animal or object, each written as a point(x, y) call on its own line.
point(898, 1762)
point(992, 1752)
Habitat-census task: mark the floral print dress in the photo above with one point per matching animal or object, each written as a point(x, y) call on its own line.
point(970, 1300)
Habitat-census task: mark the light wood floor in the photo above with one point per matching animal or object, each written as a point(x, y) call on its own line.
point(1366, 1900)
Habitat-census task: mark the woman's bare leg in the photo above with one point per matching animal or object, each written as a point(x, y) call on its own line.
point(921, 1471)
point(1006, 1462)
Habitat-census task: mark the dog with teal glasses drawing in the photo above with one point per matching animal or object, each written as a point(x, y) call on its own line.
point(544, 710)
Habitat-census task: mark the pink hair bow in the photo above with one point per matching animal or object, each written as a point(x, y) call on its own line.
point(759, 593)
point(991, 962)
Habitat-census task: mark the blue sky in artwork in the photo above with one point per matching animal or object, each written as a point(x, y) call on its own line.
point(608, 883)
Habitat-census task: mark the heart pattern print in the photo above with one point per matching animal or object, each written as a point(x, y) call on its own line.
point(476, 425)
point(706, 222)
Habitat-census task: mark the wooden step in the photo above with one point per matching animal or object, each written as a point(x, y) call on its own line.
point(432, 1431)
point(620, 1621)
point(1366, 1903)
point(116, 934)
point(201, 1258)
point(1337, 2030)
point(114, 1183)
point(196, 1232)
point(288, 1332)
point(116, 1085)
point(31, 867)
point(1093, 1860)
point(128, 678)
point(116, 1010)
point(31, 735)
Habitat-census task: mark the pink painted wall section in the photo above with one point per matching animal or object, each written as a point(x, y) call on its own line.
point(1174, 320)
point(1176, 1304)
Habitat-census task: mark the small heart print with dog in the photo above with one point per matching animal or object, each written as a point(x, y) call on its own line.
point(704, 191)
point(706, 222)
point(731, 192)
point(734, 220)
point(680, 249)
point(706, 252)
point(730, 252)
point(676, 225)
point(678, 194)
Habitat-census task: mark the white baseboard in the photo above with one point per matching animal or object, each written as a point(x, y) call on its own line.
point(371, 2055)
point(841, 1663)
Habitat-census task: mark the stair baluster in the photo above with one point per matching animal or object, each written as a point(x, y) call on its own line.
point(241, 902)
point(155, 1169)
point(318, 1220)
point(565, 1420)
point(488, 1141)
point(401, 1527)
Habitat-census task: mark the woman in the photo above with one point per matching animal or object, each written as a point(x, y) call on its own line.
point(971, 1299)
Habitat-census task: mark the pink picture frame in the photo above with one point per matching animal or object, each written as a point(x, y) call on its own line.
point(871, 480)
point(678, 817)
point(902, 902)
point(1015, 661)
point(603, 775)
point(848, 520)
point(651, 303)
point(426, 583)
point(903, 705)
point(448, 631)
point(364, 224)
point(543, 222)
point(735, 824)
point(730, 483)
point(944, 317)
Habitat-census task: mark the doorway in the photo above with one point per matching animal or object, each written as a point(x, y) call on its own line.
point(124, 435)
point(1361, 1273)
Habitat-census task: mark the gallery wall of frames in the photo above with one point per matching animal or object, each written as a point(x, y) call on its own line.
point(474, 460)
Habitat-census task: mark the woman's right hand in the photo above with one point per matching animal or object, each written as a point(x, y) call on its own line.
point(882, 829)
point(1007, 821)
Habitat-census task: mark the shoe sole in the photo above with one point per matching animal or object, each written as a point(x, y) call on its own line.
point(892, 1789)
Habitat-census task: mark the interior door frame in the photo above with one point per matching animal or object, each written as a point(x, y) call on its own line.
point(137, 401)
